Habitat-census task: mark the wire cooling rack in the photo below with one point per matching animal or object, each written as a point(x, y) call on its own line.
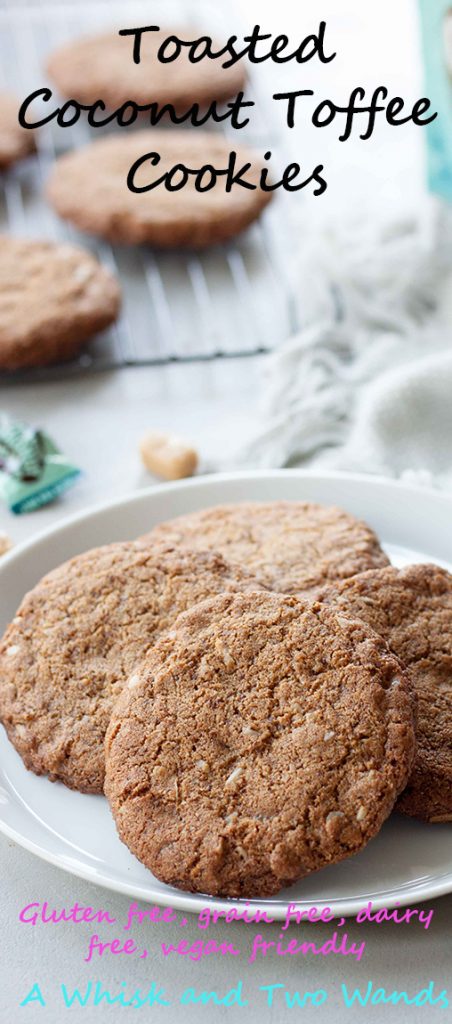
point(232, 300)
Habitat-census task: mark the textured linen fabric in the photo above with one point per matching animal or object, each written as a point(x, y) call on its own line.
point(366, 385)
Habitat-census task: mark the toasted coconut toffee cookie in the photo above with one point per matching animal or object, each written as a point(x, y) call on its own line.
point(89, 187)
point(53, 298)
point(262, 739)
point(295, 547)
point(412, 609)
point(15, 142)
point(76, 638)
point(102, 67)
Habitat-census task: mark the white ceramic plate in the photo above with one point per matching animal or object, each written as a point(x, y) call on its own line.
point(408, 861)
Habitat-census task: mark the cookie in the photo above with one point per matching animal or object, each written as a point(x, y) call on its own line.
point(75, 639)
point(412, 609)
point(15, 142)
point(53, 298)
point(295, 547)
point(102, 67)
point(262, 739)
point(89, 188)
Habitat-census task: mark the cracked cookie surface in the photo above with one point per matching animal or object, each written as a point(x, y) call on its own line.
point(77, 636)
point(262, 739)
point(412, 609)
point(295, 547)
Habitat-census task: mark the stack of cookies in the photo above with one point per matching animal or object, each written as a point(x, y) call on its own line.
point(242, 683)
point(54, 298)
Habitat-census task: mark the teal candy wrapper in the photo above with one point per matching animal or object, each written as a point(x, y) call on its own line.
point(436, 21)
point(33, 472)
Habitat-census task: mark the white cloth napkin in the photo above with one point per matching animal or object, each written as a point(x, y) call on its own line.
point(367, 383)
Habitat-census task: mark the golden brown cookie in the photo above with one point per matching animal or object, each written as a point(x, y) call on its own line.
point(15, 142)
point(412, 609)
point(53, 298)
point(262, 739)
point(295, 547)
point(89, 187)
point(102, 67)
point(77, 636)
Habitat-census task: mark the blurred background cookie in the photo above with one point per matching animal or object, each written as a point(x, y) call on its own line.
point(53, 298)
point(89, 188)
point(102, 67)
point(15, 142)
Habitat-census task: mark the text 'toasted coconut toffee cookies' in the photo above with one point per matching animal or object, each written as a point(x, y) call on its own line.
point(412, 609)
point(77, 637)
point(262, 739)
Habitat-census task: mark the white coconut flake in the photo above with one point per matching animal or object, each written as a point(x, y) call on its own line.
point(334, 816)
point(82, 273)
point(234, 775)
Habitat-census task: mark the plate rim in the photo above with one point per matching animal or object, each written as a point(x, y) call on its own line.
point(178, 899)
point(193, 903)
point(373, 481)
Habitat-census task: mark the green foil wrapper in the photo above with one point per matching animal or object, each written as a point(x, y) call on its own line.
point(436, 23)
point(33, 472)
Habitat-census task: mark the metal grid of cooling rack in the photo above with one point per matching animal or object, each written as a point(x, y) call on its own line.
point(231, 300)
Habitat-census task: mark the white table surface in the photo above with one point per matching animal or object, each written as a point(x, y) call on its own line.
point(98, 423)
